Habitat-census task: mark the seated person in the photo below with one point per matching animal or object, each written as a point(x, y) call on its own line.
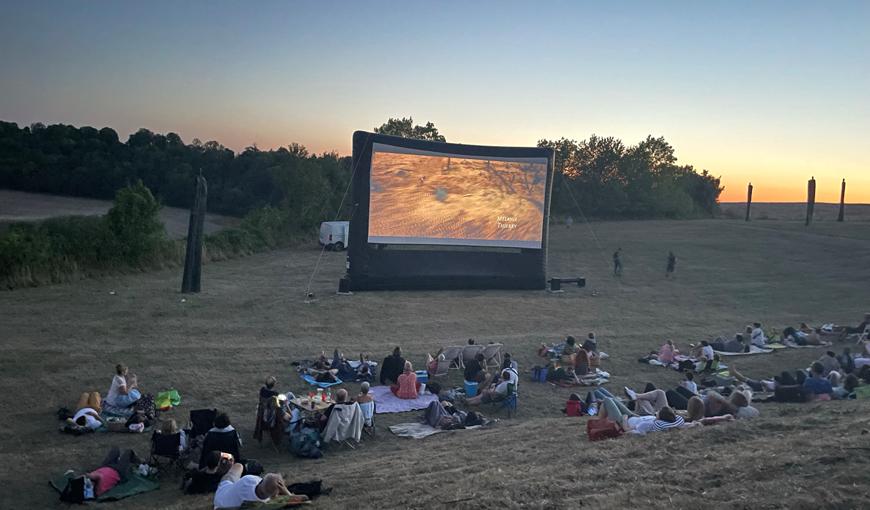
point(123, 392)
point(407, 386)
point(222, 437)
point(509, 362)
point(757, 337)
point(268, 389)
point(206, 480)
point(737, 344)
point(170, 427)
point(114, 469)
point(493, 394)
point(706, 356)
point(847, 390)
point(474, 371)
point(581, 363)
point(570, 346)
point(829, 362)
point(667, 352)
point(340, 399)
point(689, 383)
point(234, 489)
point(860, 327)
point(392, 368)
point(364, 397)
point(816, 386)
point(591, 344)
point(846, 361)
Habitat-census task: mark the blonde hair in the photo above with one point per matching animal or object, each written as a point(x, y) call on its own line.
point(408, 366)
point(169, 427)
point(739, 399)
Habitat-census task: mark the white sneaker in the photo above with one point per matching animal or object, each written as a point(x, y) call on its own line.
point(630, 393)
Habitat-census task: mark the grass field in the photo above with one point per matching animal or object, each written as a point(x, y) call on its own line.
point(20, 206)
point(251, 321)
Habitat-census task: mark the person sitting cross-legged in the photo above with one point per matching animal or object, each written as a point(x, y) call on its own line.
point(406, 386)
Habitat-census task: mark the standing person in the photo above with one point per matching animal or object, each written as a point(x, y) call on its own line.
point(617, 262)
point(672, 264)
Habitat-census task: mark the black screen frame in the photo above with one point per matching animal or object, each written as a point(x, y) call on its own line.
point(435, 266)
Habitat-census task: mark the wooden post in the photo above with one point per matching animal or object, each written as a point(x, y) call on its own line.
point(811, 200)
point(842, 214)
point(190, 282)
point(748, 200)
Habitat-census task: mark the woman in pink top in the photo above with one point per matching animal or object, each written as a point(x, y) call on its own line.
point(407, 385)
point(667, 352)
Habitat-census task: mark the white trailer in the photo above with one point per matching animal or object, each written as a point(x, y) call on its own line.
point(333, 234)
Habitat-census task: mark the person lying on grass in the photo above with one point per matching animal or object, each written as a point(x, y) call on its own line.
point(666, 419)
point(495, 393)
point(114, 469)
point(736, 405)
point(234, 489)
point(695, 413)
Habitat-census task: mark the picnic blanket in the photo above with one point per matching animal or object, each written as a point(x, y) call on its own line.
point(389, 403)
point(420, 430)
point(753, 349)
point(679, 358)
point(135, 484)
point(597, 378)
point(312, 381)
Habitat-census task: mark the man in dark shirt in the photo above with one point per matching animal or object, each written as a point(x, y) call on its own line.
point(474, 371)
point(394, 365)
point(206, 480)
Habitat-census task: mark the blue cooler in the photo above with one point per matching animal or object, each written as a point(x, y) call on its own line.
point(470, 389)
point(422, 376)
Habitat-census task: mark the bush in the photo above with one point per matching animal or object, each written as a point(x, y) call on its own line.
point(135, 224)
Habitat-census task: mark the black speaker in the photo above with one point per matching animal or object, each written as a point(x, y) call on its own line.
point(344, 285)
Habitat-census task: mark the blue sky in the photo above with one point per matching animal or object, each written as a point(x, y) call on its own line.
point(772, 92)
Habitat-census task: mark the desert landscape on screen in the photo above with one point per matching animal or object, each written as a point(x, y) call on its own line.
point(456, 200)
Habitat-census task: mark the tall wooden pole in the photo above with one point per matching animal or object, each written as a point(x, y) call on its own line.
point(748, 200)
point(842, 214)
point(811, 200)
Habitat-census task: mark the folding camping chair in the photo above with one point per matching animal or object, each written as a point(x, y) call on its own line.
point(492, 356)
point(469, 352)
point(345, 422)
point(450, 358)
point(509, 402)
point(368, 412)
point(165, 447)
point(201, 421)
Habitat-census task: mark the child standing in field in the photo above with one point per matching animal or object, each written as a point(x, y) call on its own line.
point(672, 264)
point(617, 262)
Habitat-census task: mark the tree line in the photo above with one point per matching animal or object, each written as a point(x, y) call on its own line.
point(601, 175)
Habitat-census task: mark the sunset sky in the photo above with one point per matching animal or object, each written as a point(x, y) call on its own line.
point(773, 92)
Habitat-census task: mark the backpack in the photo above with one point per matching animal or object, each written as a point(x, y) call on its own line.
point(600, 429)
point(305, 442)
point(574, 408)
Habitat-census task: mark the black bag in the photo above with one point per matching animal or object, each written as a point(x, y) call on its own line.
point(74, 492)
point(311, 489)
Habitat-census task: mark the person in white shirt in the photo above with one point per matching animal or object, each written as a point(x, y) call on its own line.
point(499, 392)
point(758, 339)
point(235, 489)
point(87, 417)
point(123, 392)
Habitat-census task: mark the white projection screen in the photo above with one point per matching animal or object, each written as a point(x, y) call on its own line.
point(434, 198)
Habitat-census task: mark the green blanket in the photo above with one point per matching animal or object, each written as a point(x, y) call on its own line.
point(135, 484)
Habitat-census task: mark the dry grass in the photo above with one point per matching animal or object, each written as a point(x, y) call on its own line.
point(20, 206)
point(251, 321)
